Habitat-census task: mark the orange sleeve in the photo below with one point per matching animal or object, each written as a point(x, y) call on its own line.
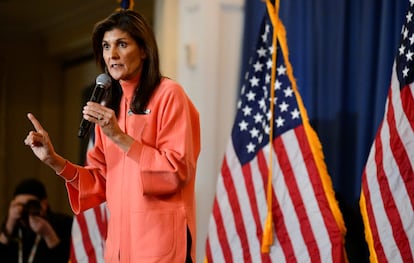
point(169, 166)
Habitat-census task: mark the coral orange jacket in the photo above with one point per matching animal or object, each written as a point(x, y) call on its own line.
point(149, 190)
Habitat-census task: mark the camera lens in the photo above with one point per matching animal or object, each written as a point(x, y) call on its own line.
point(32, 207)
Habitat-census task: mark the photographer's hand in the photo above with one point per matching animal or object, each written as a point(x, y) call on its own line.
point(41, 226)
point(15, 211)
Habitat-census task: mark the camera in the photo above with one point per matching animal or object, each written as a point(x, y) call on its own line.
point(32, 207)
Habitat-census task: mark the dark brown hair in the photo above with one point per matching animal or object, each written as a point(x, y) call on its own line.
point(140, 30)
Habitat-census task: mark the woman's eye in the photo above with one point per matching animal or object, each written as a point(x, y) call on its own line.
point(105, 46)
point(122, 44)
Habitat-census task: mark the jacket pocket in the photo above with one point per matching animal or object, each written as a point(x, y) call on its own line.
point(153, 233)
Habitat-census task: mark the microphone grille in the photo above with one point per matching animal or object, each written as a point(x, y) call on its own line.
point(104, 80)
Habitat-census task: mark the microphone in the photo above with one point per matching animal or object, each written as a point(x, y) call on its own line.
point(103, 82)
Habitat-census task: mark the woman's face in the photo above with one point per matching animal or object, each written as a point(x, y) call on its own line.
point(123, 57)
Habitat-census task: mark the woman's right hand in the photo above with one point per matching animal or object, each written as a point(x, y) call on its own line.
point(41, 145)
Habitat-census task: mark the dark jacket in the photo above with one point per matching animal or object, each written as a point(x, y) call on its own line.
point(62, 224)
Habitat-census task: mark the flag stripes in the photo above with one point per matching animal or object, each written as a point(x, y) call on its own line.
point(245, 222)
point(407, 102)
point(83, 246)
point(88, 235)
point(388, 194)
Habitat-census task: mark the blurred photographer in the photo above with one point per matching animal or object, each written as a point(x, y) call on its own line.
point(31, 232)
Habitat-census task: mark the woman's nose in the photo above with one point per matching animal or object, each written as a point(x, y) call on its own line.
point(113, 53)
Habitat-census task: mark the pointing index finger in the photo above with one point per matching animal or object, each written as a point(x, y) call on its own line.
point(35, 122)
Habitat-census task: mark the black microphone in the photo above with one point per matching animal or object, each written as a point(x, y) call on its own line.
point(103, 82)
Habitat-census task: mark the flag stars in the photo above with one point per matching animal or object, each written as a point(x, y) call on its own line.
point(243, 89)
point(262, 103)
point(247, 111)
point(278, 85)
point(281, 70)
point(295, 114)
point(405, 72)
point(268, 115)
point(267, 129)
point(411, 39)
point(405, 33)
point(258, 66)
point(267, 78)
point(265, 34)
point(283, 106)
point(251, 96)
point(243, 125)
point(254, 82)
point(261, 52)
point(402, 50)
point(254, 132)
point(409, 55)
point(280, 122)
point(239, 104)
point(288, 92)
point(246, 76)
point(409, 16)
point(251, 148)
point(265, 92)
point(258, 117)
point(267, 28)
point(260, 139)
point(271, 50)
point(269, 64)
point(264, 37)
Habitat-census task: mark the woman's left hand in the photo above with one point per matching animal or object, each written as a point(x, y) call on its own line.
point(102, 116)
point(106, 119)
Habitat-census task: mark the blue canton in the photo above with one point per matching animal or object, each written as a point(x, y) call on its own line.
point(251, 128)
point(405, 56)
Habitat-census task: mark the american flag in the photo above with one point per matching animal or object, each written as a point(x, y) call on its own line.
point(387, 194)
point(307, 222)
point(88, 235)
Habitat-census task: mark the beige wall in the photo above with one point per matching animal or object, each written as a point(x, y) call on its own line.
point(200, 46)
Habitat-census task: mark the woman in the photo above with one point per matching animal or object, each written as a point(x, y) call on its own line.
point(147, 141)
